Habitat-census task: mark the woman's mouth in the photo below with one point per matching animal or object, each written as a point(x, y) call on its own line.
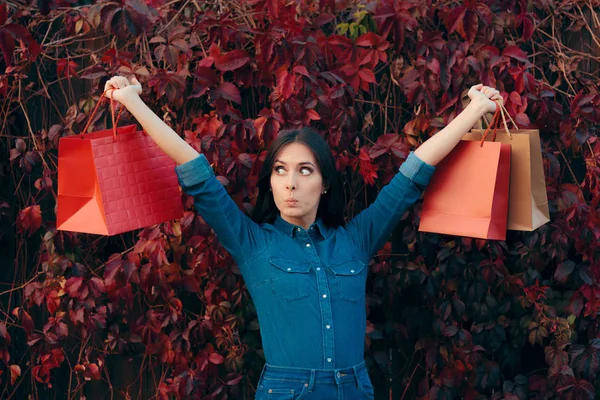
point(291, 202)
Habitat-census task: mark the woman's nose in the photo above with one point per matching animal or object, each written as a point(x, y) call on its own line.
point(291, 184)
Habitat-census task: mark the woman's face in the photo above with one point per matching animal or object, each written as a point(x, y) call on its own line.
point(297, 184)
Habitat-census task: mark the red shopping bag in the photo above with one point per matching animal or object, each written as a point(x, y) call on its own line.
point(468, 193)
point(114, 180)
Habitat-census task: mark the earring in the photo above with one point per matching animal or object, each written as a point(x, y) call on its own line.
point(324, 191)
point(270, 190)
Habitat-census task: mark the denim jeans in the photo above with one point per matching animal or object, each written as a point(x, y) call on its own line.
point(287, 383)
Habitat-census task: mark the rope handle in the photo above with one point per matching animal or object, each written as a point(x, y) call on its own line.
point(503, 113)
point(493, 125)
point(115, 121)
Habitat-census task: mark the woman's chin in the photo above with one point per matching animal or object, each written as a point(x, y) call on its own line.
point(292, 212)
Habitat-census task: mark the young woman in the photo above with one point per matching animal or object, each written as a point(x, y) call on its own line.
point(304, 267)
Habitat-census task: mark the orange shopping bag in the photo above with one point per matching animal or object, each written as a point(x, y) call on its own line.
point(468, 193)
point(114, 180)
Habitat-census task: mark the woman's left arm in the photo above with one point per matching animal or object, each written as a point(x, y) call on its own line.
point(371, 228)
point(437, 147)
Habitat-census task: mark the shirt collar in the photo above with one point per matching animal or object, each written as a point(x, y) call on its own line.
point(290, 229)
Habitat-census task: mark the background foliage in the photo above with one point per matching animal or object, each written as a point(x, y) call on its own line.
point(163, 312)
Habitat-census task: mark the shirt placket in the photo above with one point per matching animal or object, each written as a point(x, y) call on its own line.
point(324, 298)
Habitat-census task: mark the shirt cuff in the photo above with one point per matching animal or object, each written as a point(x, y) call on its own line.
point(417, 170)
point(194, 172)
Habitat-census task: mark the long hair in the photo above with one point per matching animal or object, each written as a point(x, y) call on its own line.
point(331, 206)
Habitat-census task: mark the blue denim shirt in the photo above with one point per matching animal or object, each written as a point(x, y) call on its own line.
point(308, 286)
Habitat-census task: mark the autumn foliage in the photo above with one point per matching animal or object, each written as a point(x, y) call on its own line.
point(163, 312)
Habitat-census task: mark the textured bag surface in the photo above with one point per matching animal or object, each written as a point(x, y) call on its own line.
point(528, 199)
point(468, 193)
point(113, 181)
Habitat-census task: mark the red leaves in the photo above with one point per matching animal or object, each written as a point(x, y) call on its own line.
point(66, 68)
point(585, 106)
point(232, 60)
point(396, 18)
point(80, 288)
point(358, 77)
point(89, 371)
point(170, 84)
point(226, 91)
point(365, 167)
point(48, 362)
point(285, 82)
point(216, 358)
point(171, 47)
point(536, 292)
point(15, 373)
point(465, 19)
point(267, 125)
point(515, 52)
point(130, 19)
point(29, 220)
point(9, 33)
point(374, 49)
point(27, 159)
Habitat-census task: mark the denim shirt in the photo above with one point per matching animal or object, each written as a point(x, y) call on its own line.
point(308, 286)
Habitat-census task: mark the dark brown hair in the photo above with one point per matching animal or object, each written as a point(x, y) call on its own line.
point(331, 207)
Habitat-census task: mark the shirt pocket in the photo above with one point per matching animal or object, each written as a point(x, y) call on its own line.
point(349, 279)
point(290, 279)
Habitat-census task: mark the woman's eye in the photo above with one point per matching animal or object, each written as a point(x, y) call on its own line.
point(279, 169)
point(305, 171)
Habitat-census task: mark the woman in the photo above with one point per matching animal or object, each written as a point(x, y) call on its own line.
point(304, 268)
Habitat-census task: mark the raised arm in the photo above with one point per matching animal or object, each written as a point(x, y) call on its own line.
point(240, 236)
point(438, 146)
point(372, 227)
point(167, 139)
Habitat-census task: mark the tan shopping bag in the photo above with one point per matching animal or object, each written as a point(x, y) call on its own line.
point(528, 200)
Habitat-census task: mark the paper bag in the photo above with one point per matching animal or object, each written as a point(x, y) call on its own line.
point(468, 192)
point(113, 181)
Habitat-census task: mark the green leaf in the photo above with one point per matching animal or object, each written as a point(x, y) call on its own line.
point(342, 28)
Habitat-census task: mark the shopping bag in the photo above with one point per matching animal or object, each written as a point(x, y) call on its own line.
point(528, 199)
point(114, 180)
point(468, 192)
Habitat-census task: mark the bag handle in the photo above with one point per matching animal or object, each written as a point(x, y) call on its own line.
point(502, 112)
point(505, 113)
point(493, 125)
point(115, 121)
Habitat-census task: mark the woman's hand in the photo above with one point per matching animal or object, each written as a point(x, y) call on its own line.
point(122, 89)
point(486, 97)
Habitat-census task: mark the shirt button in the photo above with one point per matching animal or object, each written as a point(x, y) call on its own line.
point(352, 270)
point(307, 244)
point(298, 229)
point(289, 269)
point(329, 360)
point(324, 296)
point(327, 326)
point(318, 268)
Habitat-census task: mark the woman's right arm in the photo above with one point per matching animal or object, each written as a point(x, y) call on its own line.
point(162, 134)
point(240, 236)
